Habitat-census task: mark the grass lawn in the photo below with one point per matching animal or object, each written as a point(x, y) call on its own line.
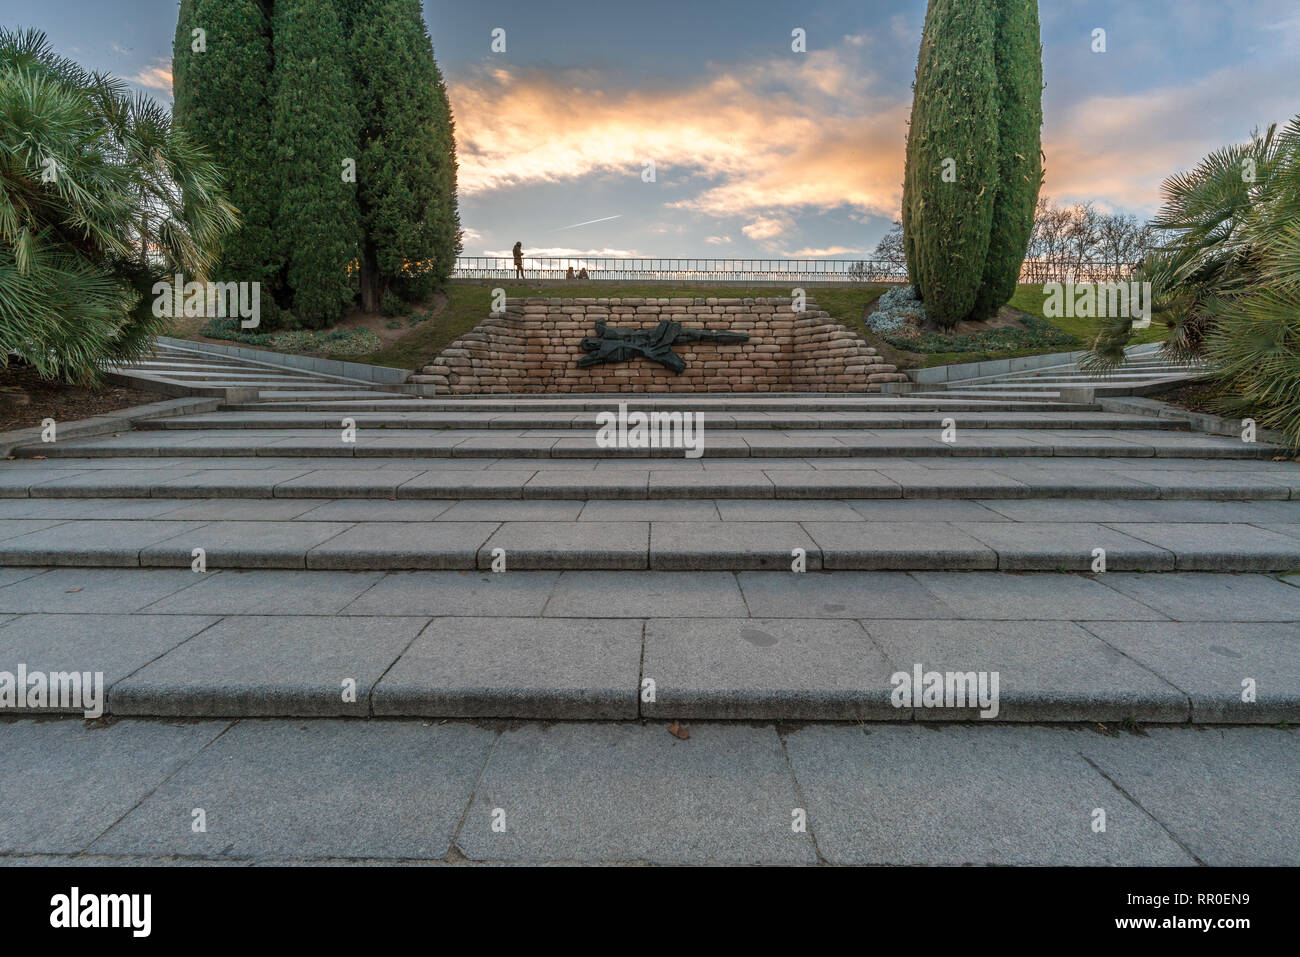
point(468, 304)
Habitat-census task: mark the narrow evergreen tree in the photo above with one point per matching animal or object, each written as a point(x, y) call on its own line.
point(407, 163)
point(950, 182)
point(1019, 55)
point(314, 124)
point(221, 80)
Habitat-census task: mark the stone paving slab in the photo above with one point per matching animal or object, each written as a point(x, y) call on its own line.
point(10, 576)
point(696, 510)
point(264, 665)
point(832, 485)
point(114, 646)
point(244, 544)
point(278, 592)
point(632, 793)
point(1189, 596)
point(456, 594)
point(355, 483)
point(14, 527)
point(564, 545)
point(585, 484)
point(718, 546)
point(65, 784)
point(898, 546)
point(933, 510)
point(517, 668)
point(959, 795)
point(742, 510)
point(92, 590)
point(1212, 662)
point(85, 543)
point(506, 510)
point(451, 484)
point(372, 510)
point(1059, 546)
point(275, 789)
point(1031, 597)
point(846, 594)
point(225, 483)
point(1048, 670)
point(1227, 794)
point(788, 669)
point(1162, 511)
point(242, 510)
point(401, 545)
point(1207, 547)
point(65, 509)
point(103, 483)
point(1237, 484)
point(752, 484)
point(597, 594)
point(955, 483)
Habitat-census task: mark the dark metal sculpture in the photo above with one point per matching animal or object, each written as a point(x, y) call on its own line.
point(620, 345)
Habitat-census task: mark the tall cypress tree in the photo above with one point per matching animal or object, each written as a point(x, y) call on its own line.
point(314, 124)
point(951, 176)
point(1019, 53)
point(222, 92)
point(977, 102)
point(407, 164)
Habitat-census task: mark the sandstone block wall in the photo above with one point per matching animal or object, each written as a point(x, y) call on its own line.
point(535, 347)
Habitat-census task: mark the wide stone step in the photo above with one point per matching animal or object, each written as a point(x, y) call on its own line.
point(1122, 479)
point(736, 443)
point(327, 391)
point(663, 645)
point(239, 418)
point(888, 404)
point(666, 545)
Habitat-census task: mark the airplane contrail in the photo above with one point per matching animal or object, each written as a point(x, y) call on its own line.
point(588, 223)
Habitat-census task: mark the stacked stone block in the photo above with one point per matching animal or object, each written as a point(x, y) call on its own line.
point(535, 345)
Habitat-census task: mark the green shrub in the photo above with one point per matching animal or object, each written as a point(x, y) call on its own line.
point(1227, 278)
point(101, 197)
point(1036, 334)
point(392, 304)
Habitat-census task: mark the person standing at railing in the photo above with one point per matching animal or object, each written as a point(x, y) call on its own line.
point(519, 260)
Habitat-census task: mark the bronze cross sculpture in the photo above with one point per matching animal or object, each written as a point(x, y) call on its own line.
point(620, 345)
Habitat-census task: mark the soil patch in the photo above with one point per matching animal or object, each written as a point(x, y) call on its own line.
point(26, 399)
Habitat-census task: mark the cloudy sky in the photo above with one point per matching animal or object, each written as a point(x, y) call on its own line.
point(760, 151)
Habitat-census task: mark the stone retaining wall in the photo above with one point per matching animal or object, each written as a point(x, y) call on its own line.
point(535, 347)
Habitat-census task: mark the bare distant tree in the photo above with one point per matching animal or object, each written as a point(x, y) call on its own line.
point(890, 248)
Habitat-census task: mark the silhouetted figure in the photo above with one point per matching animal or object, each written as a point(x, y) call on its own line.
point(569, 274)
point(519, 260)
point(582, 273)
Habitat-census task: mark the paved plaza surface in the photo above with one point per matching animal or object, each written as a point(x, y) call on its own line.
point(442, 791)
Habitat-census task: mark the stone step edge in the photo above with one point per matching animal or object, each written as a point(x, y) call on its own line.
point(594, 490)
point(288, 697)
point(176, 551)
point(333, 422)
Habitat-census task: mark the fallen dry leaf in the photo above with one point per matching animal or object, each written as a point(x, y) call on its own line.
point(71, 590)
point(679, 730)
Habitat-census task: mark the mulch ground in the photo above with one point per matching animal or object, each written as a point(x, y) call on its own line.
point(26, 399)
